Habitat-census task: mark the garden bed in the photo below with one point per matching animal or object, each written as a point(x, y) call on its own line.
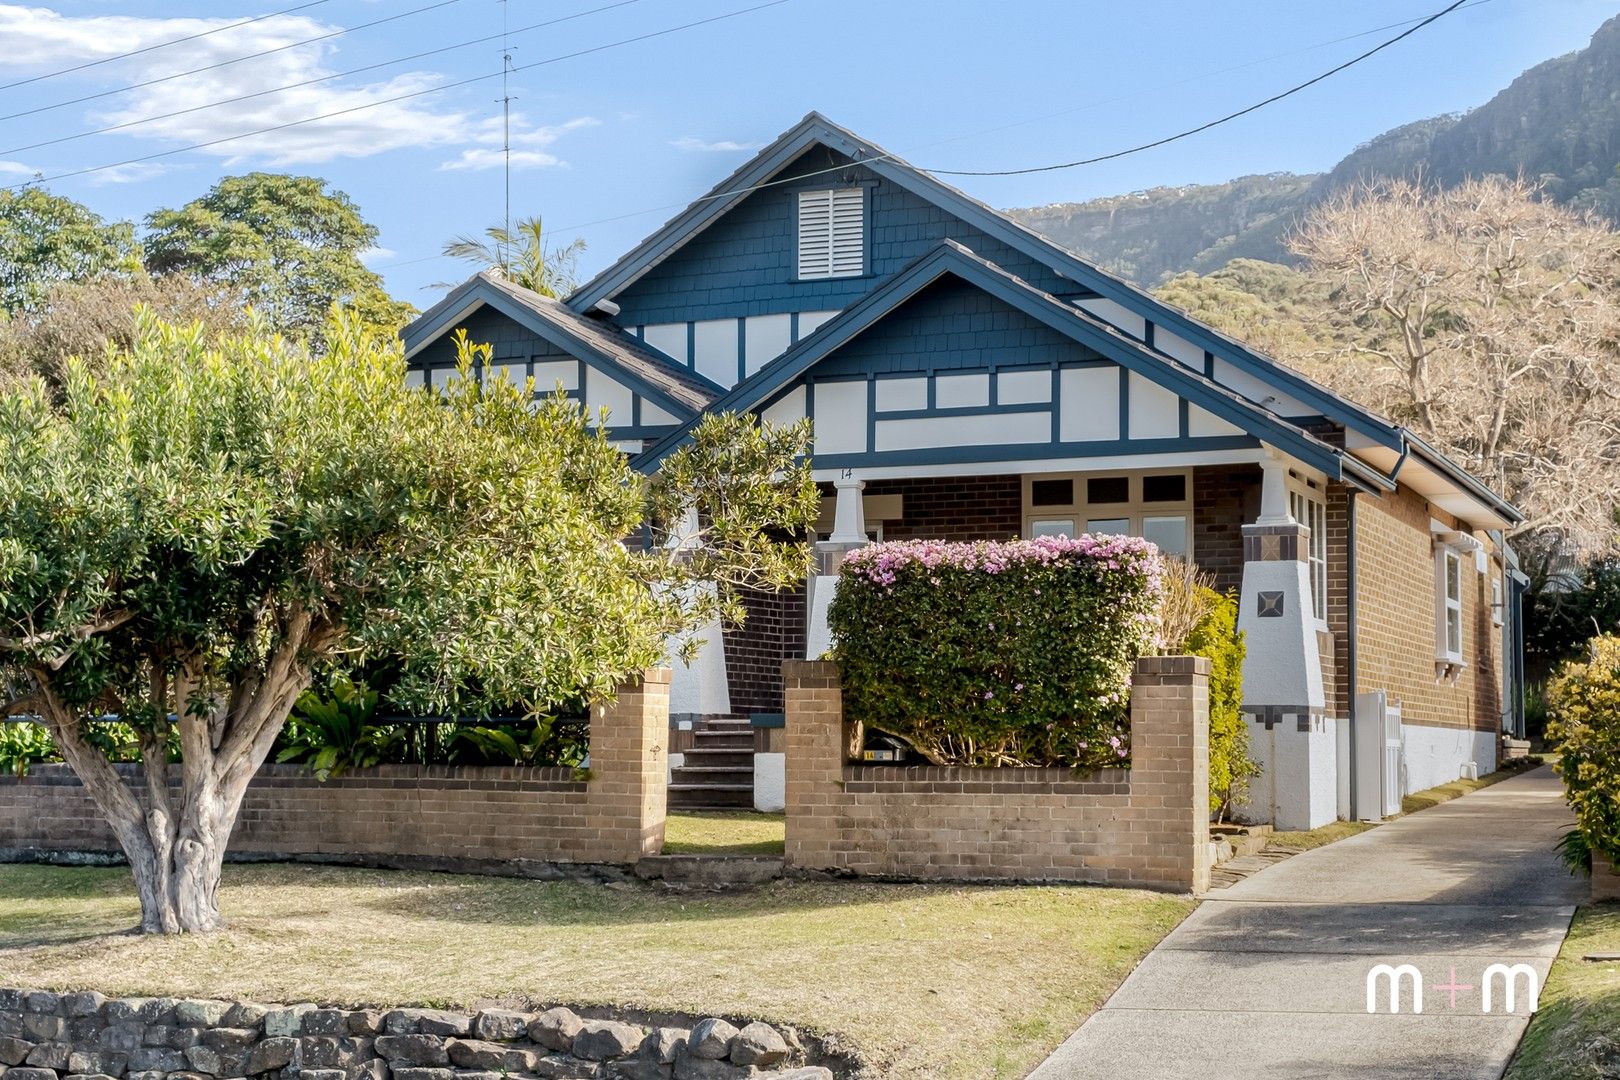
point(920, 980)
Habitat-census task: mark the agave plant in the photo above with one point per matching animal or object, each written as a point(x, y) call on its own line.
point(334, 733)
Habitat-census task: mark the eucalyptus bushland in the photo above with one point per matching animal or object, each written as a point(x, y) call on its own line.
point(189, 529)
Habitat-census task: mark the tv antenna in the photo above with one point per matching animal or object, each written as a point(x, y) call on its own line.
point(506, 133)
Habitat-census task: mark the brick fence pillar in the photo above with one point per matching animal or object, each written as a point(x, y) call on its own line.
point(814, 747)
point(625, 799)
point(1605, 880)
point(1170, 769)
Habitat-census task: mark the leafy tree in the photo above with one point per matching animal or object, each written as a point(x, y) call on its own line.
point(190, 528)
point(522, 256)
point(46, 239)
point(286, 245)
point(84, 318)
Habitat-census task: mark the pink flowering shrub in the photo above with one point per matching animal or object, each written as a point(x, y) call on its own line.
point(988, 653)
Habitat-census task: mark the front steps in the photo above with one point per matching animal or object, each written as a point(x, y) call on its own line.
point(717, 773)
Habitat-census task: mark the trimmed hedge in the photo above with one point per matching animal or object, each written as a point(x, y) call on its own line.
point(1584, 704)
point(1016, 653)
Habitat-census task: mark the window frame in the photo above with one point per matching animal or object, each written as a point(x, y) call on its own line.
point(1307, 504)
point(1134, 510)
point(1446, 606)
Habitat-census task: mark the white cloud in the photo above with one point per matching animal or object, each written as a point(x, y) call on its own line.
point(17, 168)
point(374, 253)
point(41, 39)
point(489, 136)
point(132, 173)
point(726, 146)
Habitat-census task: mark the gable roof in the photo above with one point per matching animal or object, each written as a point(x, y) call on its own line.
point(816, 129)
point(678, 390)
point(952, 258)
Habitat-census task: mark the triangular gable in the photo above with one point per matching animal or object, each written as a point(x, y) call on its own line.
point(1158, 376)
point(674, 390)
point(816, 129)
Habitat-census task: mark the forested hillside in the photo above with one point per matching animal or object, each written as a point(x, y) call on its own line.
point(1558, 123)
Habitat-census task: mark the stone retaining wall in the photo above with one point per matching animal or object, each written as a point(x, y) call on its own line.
point(444, 817)
point(85, 1036)
point(1146, 826)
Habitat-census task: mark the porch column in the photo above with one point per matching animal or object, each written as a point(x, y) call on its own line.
point(848, 533)
point(1282, 674)
point(699, 688)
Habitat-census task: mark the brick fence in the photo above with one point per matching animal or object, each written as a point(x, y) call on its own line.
point(1145, 826)
point(435, 815)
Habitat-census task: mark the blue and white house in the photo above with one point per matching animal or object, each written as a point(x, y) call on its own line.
point(967, 378)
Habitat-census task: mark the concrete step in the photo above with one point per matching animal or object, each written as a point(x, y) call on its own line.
point(711, 796)
point(703, 776)
point(719, 740)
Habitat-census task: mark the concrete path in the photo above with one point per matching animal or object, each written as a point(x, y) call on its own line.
point(1268, 979)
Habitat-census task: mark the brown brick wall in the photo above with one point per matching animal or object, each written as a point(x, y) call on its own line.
point(470, 815)
point(1336, 667)
point(1395, 618)
point(772, 633)
point(955, 507)
point(1225, 498)
point(1146, 826)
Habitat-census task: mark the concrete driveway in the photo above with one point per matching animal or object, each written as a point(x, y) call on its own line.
point(1269, 977)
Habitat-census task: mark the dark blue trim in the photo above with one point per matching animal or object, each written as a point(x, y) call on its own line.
point(961, 410)
point(767, 720)
point(959, 455)
point(425, 331)
point(815, 128)
point(950, 257)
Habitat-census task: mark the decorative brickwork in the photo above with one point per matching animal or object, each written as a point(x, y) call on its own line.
point(442, 815)
point(1145, 826)
point(1395, 618)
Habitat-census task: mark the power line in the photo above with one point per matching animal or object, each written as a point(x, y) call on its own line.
point(297, 85)
point(224, 63)
point(1415, 24)
point(1380, 47)
point(391, 100)
point(160, 45)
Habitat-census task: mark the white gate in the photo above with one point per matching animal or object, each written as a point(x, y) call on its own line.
point(1378, 756)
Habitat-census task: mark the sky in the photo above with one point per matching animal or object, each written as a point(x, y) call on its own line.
point(610, 143)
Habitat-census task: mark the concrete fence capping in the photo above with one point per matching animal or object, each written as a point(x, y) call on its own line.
point(503, 819)
point(1145, 826)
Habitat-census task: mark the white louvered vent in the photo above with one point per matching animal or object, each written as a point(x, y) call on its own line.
point(832, 233)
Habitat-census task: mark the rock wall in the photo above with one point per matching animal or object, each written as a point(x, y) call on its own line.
point(85, 1036)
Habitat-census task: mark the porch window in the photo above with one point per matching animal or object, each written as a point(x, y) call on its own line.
point(832, 233)
point(1153, 504)
point(1310, 511)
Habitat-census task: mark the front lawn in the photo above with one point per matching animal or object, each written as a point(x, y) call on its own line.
point(923, 980)
point(723, 832)
point(1576, 1033)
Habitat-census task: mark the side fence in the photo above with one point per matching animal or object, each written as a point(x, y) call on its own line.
point(1145, 826)
point(438, 816)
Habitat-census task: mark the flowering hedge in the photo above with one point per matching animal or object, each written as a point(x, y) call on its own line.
point(1015, 653)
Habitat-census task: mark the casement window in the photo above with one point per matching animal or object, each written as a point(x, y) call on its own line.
point(832, 233)
point(1448, 615)
point(1310, 511)
point(1154, 505)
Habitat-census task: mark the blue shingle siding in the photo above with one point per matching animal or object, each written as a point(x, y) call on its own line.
point(952, 325)
point(743, 264)
point(509, 340)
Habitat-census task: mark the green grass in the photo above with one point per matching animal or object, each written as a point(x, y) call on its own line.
point(722, 832)
point(1575, 1035)
point(1305, 840)
point(922, 980)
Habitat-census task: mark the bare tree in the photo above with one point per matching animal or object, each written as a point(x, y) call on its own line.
point(1489, 320)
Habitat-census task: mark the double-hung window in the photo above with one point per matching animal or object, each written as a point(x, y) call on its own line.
point(832, 233)
point(1310, 511)
point(1448, 614)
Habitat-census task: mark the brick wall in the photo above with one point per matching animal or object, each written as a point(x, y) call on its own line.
point(773, 632)
point(447, 815)
point(955, 507)
point(1395, 618)
point(1225, 498)
point(1146, 826)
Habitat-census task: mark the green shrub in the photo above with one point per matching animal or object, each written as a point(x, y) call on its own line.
point(332, 733)
point(991, 654)
point(547, 740)
point(1583, 702)
point(23, 745)
point(1217, 637)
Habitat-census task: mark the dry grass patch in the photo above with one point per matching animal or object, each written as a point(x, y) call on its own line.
point(1305, 840)
point(923, 980)
point(724, 832)
point(1575, 1035)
